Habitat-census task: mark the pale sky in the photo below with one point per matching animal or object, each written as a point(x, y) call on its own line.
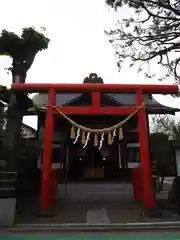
point(78, 43)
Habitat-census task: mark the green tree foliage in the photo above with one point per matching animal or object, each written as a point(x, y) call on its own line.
point(152, 31)
point(22, 49)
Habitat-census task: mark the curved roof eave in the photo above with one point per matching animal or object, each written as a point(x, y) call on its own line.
point(149, 101)
point(165, 110)
point(123, 99)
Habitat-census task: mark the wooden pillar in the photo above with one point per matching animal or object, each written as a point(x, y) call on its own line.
point(46, 165)
point(148, 195)
point(137, 184)
point(149, 140)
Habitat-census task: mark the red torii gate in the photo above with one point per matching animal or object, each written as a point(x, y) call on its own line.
point(95, 109)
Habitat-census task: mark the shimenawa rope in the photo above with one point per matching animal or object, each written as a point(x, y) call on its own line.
point(103, 130)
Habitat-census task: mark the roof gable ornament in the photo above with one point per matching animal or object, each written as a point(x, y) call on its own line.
point(93, 78)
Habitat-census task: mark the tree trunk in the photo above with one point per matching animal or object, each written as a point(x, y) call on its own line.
point(11, 141)
point(13, 130)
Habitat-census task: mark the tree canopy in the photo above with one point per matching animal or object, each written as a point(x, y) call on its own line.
point(22, 49)
point(165, 132)
point(166, 125)
point(151, 32)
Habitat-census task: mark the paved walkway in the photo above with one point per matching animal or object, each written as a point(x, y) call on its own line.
point(103, 237)
point(119, 237)
point(91, 204)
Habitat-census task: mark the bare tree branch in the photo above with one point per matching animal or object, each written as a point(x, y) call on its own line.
point(153, 32)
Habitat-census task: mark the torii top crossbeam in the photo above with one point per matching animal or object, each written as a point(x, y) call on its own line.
point(106, 88)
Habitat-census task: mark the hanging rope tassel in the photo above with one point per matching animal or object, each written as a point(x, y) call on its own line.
point(120, 133)
point(95, 140)
point(109, 139)
point(73, 134)
point(77, 136)
point(114, 135)
point(87, 139)
point(83, 138)
point(101, 142)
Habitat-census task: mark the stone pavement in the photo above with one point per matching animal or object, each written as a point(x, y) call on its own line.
point(91, 203)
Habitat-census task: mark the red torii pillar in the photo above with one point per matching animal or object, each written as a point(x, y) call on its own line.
point(146, 174)
point(45, 200)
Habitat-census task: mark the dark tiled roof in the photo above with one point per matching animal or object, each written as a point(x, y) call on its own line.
point(61, 99)
point(28, 128)
point(121, 99)
point(151, 104)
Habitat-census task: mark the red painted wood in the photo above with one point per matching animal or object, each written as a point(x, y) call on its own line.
point(46, 166)
point(82, 88)
point(95, 111)
point(96, 100)
point(144, 154)
point(137, 184)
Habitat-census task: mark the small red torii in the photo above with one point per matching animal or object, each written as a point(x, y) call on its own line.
point(96, 109)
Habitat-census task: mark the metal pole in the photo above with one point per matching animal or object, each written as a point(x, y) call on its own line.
point(119, 155)
point(66, 170)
